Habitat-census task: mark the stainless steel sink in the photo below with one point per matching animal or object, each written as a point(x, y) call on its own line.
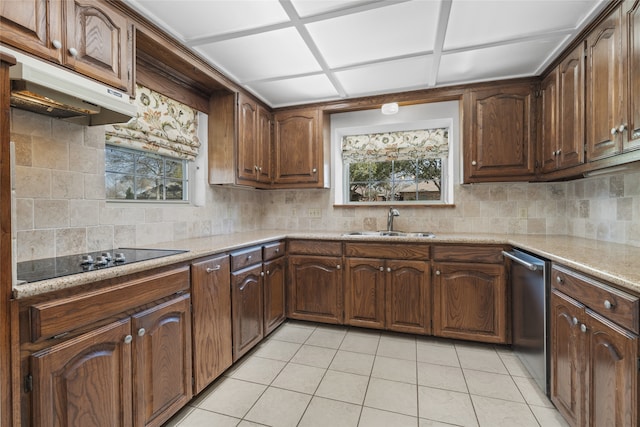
point(385, 233)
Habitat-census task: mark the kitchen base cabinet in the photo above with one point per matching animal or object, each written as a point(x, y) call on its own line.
point(274, 269)
point(211, 295)
point(364, 301)
point(594, 361)
point(247, 309)
point(135, 371)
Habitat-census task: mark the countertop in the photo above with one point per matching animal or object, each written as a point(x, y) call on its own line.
point(613, 262)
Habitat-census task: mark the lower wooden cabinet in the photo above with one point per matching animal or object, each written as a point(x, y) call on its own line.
point(388, 294)
point(594, 361)
point(274, 293)
point(470, 302)
point(135, 371)
point(315, 288)
point(247, 309)
point(211, 324)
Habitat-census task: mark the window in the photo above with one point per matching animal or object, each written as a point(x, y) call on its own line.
point(136, 175)
point(409, 158)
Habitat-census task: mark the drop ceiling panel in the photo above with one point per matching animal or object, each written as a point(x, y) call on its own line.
point(306, 8)
point(296, 90)
point(262, 56)
point(392, 31)
point(393, 76)
point(499, 62)
point(473, 23)
point(196, 18)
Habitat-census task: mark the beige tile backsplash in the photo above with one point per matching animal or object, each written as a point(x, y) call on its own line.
point(61, 208)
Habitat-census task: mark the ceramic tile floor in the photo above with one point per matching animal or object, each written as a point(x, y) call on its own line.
point(308, 375)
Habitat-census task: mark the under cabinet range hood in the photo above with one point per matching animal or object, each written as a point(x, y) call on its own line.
point(46, 89)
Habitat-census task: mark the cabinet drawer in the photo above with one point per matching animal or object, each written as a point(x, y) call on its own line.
point(244, 258)
point(614, 304)
point(387, 250)
point(315, 247)
point(65, 314)
point(469, 253)
point(273, 250)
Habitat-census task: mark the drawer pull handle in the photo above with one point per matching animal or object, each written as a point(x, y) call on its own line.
point(559, 280)
point(211, 270)
point(128, 339)
point(583, 328)
point(249, 257)
point(277, 250)
point(141, 332)
point(608, 305)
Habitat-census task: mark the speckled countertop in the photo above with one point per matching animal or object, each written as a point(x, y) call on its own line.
point(615, 263)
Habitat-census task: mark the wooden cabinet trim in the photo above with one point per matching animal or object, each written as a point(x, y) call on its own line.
point(468, 253)
point(65, 314)
point(402, 251)
point(315, 247)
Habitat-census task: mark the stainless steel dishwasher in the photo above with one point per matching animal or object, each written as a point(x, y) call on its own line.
point(530, 291)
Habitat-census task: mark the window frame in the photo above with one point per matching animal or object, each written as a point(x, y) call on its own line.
point(164, 177)
point(340, 172)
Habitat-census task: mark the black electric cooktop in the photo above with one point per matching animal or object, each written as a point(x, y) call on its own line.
point(50, 268)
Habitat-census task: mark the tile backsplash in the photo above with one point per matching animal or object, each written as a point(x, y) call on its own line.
point(61, 208)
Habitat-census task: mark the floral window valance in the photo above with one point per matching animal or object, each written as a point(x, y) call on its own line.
point(162, 125)
point(402, 145)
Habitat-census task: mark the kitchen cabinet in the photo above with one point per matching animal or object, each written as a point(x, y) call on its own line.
point(562, 114)
point(134, 371)
point(594, 351)
point(470, 294)
point(274, 269)
point(211, 319)
point(247, 300)
point(315, 290)
point(387, 286)
point(631, 40)
point(87, 36)
point(300, 152)
point(499, 133)
point(605, 86)
point(242, 130)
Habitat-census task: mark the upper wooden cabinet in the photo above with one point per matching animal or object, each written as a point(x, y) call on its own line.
point(300, 152)
point(88, 36)
point(254, 142)
point(499, 133)
point(561, 114)
point(631, 15)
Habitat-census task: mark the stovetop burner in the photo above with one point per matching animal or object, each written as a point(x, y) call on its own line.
point(49, 268)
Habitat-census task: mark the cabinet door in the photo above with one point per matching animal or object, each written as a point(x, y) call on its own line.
point(211, 324)
point(567, 354)
point(364, 301)
point(408, 297)
point(315, 289)
point(549, 122)
point(247, 309)
point(604, 88)
point(98, 42)
point(469, 302)
point(612, 373)
point(86, 380)
point(274, 296)
point(162, 361)
point(33, 26)
point(297, 147)
point(499, 133)
point(247, 148)
point(571, 109)
point(265, 122)
point(632, 40)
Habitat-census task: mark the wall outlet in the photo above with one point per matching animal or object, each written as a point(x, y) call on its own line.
point(314, 212)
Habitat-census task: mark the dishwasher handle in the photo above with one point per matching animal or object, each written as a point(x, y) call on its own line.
point(530, 266)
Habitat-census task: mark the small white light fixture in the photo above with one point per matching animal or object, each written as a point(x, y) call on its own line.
point(390, 108)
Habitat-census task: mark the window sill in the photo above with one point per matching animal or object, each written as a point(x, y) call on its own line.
point(394, 204)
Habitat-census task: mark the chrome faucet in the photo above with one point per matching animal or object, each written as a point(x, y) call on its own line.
point(392, 212)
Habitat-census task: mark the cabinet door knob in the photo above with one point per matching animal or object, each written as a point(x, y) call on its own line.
point(388, 269)
point(56, 44)
point(249, 257)
point(211, 270)
point(255, 167)
point(473, 163)
point(558, 152)
point(73, 51)
point(608, 305)
point(314, 170)
point(262, 273)
point(575, 320)
point(559, 280)
point(141, 332)
point(381, 268)
point(614, 131)
point(268, 272)
point(622, 128)
point(128, 339)
point(338, 267)
point(437, 272)
point(583, 328)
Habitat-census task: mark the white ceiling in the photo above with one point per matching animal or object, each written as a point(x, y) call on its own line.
point(289, 52)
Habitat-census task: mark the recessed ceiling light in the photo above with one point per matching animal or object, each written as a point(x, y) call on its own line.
point(390, 108)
